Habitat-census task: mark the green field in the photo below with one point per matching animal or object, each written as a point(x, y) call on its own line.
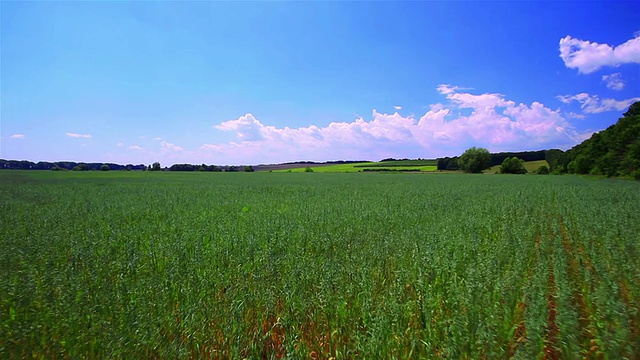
point(139, 265)
point(400, 165)
point(530, 166)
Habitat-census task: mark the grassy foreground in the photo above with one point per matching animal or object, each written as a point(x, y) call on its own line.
point(267, 265)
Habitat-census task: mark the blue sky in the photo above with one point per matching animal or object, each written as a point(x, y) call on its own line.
point(259, 82)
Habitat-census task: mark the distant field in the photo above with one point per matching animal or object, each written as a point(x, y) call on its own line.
point(170, 265)
point(531, 166)
point(401, 165)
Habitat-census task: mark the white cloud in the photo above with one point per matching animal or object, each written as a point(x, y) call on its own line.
point(573, 115)
point(494, 122)
point(467, 100)
point(588, 56)
point(78, 136)
point(591, 104)
point(397, 107)
point(169, 147)
point(120, 144)
point(158, 138)
point(135, 147)
point(614, 81)
point(17, 136)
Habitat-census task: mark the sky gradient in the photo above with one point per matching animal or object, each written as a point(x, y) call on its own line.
point(250, 83)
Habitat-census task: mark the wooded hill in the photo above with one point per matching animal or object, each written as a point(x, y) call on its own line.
point(611, 152)
point(614, 151)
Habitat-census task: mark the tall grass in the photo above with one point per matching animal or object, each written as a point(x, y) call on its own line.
point(268, 265)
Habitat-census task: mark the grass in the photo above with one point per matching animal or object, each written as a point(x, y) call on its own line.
point(530, 166)
point(400, 165)
point(270, 265)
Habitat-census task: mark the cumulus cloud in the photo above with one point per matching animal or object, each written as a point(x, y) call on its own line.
point(614, 81)
point(78, 136)
point(592, 104)
point(18, 136)
point(397, 107)
point(588, 56)
point(494, 122)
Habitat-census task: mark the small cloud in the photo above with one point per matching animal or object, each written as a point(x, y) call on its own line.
point(614, 81)
point(119, 144)
point(211, 147)
point(135, 147)
point(591, 104)
point(17, 136)
point(78, 136)
point(588, 56)
point(167, 147)
point(158, 138)
point(397, 107)
point(573, 115)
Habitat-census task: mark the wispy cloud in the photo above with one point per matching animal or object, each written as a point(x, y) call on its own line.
point(495, 122)
point(397, 107)
point(169, 147)
point(588, 56)
point(120, 144)
point(592, 104)
point(573, 115)
point(614, 81)
point(78, 136)
point(18, 136)
point(136, 147)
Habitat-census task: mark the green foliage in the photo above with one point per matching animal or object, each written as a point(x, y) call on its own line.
point(308, 169)
point(474, 160)
point(248, 168)
point(512, 165)
point(612, 152)
point(542, 170)
point(232, 265)
point(105, 167)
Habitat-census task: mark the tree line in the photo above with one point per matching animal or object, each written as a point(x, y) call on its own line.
point(65, 165)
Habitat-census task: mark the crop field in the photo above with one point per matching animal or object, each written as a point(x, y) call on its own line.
point(139, 265)
point(399, 165)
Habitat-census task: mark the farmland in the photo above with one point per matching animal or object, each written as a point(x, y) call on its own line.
point(397, 165)
point(313, 265)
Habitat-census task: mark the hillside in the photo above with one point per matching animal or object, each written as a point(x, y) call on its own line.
point(611, 152)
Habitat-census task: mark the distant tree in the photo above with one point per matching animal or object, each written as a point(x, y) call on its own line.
point(105, 167)
point(453, 164)
point(542, 170)
point(512, 165)
point(156, 166)
point(248, 168)
point(308, 169)
point(474, 160)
